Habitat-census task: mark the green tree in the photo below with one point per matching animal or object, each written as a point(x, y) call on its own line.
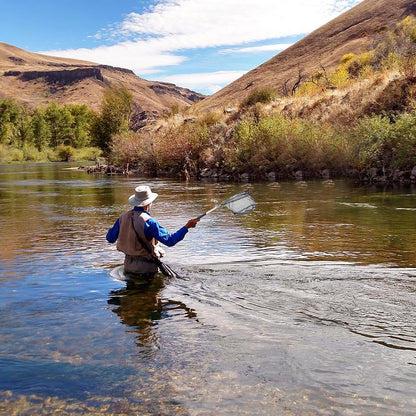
point(41, 130)
point(80, 129)
point(10, 118)
point(115, 117)
point(59, 120)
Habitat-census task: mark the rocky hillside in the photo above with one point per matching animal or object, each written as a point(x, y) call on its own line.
point(354, 31)
point(36, 80)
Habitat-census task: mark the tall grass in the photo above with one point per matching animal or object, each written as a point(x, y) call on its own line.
point(275, 143)
point(30, 153)
point(286, 145)
point(387, 143)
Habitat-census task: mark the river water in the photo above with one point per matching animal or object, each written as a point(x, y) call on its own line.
point(306, 306)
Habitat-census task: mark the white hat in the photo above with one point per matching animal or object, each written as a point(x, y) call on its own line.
point(142, 196)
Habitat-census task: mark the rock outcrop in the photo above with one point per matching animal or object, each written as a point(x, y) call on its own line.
point(61, 77)
point(35, 80)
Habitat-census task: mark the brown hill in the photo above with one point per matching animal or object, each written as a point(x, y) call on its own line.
point(36, 80)
point(353, 31)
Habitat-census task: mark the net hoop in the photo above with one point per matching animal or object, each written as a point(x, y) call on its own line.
point(241, 203)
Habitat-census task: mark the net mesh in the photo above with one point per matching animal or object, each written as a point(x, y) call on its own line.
point(241, 203)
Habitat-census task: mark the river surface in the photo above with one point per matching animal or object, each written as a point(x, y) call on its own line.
point(306, 306)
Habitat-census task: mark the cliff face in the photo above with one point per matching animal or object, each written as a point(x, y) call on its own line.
point(62, 77)
point(36, 80)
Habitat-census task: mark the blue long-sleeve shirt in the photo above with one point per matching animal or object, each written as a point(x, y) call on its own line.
point(151, 229)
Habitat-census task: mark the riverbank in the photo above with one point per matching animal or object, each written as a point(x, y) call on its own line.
point(370, 176)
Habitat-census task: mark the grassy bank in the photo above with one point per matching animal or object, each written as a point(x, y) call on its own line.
point(29, 153)
point(274, 146)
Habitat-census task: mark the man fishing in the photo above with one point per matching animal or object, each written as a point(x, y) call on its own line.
point(138, 235)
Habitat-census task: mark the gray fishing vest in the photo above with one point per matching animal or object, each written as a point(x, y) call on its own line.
point(127, 241)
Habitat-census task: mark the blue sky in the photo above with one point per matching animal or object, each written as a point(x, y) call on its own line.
point(202, 45)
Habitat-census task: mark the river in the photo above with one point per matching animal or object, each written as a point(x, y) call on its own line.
point(305, 306)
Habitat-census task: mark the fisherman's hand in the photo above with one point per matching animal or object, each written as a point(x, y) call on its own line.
point(192, 223)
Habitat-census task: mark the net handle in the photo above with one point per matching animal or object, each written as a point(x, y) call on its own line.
point(205, 213)
point(233, 198)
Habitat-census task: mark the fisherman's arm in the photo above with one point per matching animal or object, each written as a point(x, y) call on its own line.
point(113, 232)
point(153, 229)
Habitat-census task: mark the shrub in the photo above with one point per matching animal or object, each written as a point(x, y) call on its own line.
point(263, 95)
point(132, 149)
point(181, 148)
point(4, 154)
point(209, 119)
point(285, 145)
point(397, 48)
point(31, 153)
point(386, 143)
point(87, 153)
point(358, 66)
point(16, 155)
point(404, 132)
point(65, 153)
point(340, 77)
point(347, 58)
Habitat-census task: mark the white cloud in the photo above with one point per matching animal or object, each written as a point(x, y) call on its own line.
point(278, 47)
point(217, 22)
point(141, 57)
point(188, 24)
point(168, 33)
point(211, 82)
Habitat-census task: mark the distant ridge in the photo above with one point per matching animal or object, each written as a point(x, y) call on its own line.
point(35, 80)
point(353, 31)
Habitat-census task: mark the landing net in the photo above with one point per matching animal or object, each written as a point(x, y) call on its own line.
point(241, 203)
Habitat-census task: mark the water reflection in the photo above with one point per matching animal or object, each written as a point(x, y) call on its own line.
point(140, 306)
point(285, 316)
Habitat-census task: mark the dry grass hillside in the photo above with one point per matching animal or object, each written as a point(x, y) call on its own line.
point(354, 31)
point(387, 92)
point(36, 80)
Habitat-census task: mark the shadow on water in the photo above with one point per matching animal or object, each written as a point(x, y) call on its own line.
point(140, 306)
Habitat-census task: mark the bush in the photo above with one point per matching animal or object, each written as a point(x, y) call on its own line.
point(4, 154)
point(398, 48)
point(31, 153)
point(16, 155)
point(404, 132)
point(87, 153)
point(181, 149)
point(263, 95)
point(128, 147)
point(65, 153)
point(347, 58)
point(357, 66)
point(285, 145)
point(385, 142)
point(209, 119)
